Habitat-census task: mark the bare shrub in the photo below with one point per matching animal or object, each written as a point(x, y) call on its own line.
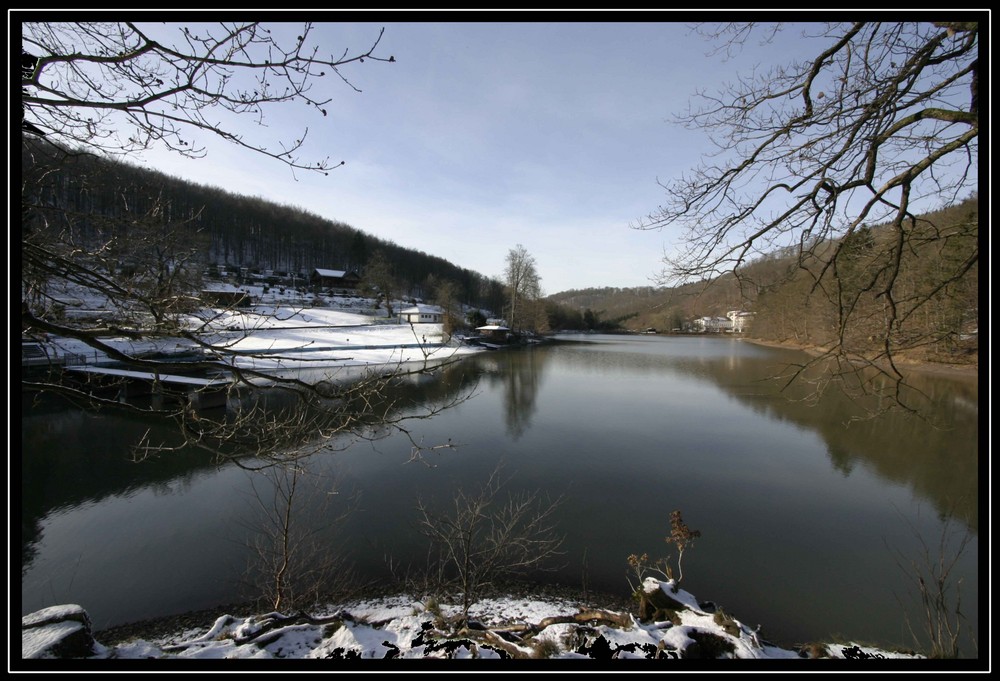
point(485, 537)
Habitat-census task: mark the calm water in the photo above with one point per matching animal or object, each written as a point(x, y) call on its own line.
point(805, 520)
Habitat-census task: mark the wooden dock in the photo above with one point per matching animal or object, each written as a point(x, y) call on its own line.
point(201, 393)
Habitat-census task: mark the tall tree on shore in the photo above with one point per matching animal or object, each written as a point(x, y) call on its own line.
point(522, 281)
point(380, 280)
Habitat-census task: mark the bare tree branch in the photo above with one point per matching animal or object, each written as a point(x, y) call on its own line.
point(876, 131)
point(118, 88)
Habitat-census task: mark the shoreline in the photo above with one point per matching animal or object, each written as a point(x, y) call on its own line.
point(168, 627)
point(903, 364)
point(662, 622)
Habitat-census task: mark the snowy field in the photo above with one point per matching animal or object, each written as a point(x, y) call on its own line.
point(281, 333)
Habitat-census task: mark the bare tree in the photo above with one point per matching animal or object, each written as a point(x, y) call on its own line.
point(122, 87)
point(446, 297)
point(937, 591)
point(521, 277)
point(380, 280)
point(293, 566)
point(682, 537)
point(881, 125)
point(139, 260)
point(485, 537)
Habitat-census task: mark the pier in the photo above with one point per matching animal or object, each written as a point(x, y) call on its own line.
point(201, 393)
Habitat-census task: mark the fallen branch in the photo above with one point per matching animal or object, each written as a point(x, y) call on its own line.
point(587, 616)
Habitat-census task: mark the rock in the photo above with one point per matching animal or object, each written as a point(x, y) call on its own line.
point(58, 632)
point(655, 604)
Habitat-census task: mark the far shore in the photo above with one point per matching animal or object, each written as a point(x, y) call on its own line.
point(970, 370)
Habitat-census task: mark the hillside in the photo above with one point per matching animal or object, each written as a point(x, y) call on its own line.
point(140, 219)
point(795, 299)
point(664, 309)
point(98, 202)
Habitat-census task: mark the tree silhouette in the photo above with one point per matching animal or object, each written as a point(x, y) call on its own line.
point(122, 87)
point(882, 124)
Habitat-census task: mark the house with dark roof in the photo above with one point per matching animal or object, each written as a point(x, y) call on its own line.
point(323, 278)
point(494, 333)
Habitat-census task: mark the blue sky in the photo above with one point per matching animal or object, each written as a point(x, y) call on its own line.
point(482, 136)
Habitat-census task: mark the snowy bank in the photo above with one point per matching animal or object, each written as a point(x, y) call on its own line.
point(274, 339)
point(677, 626)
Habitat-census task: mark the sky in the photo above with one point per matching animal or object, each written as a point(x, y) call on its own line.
point(483, 136)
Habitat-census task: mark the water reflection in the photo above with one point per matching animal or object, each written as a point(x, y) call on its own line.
point(796, 503)
point(934, 452)
point(71, 458)
point(519, 375)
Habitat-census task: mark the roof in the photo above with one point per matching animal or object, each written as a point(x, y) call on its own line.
point(423, 309)
point(338, 274)
point(492, 327)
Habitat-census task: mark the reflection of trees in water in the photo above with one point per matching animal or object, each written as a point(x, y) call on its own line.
point(70, 457)
point(522, 391)
point(935, 452)
point(691, 355)
point(519, 372)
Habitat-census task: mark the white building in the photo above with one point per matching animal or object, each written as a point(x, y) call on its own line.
point(740, 320)
point(713, 324)
point(421, 314)
point(735, 321)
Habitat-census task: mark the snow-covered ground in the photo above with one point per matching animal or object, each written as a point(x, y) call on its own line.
point(273, 338)
point(505, 628)
point(285, 333)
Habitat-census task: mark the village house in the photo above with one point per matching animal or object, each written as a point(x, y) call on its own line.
point(323, 278)
point(494, 333)
point(421, 314)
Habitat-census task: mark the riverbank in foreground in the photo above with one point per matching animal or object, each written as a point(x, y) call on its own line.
point(671, 624)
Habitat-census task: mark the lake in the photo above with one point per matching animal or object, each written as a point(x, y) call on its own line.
point(808, 519)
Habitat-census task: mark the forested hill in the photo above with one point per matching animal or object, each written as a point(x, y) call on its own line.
point(231, 229)
point(644, 307)
point(795, 299)
point(664, 309)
